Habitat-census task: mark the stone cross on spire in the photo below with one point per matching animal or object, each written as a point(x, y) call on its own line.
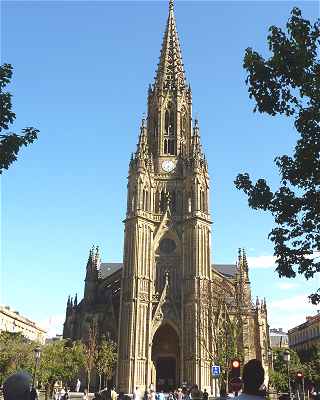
point(170, 73)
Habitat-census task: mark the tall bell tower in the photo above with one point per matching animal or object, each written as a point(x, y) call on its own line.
point(166, 266)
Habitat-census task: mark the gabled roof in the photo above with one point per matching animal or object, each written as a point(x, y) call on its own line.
point(107, 269)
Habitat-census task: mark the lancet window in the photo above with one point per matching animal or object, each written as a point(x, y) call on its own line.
point(169, 143)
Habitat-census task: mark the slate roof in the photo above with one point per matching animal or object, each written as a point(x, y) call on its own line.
point(228, 270)
point(107, 269)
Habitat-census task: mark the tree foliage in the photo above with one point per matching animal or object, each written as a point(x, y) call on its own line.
point(288, 83)
point(311, 364)
point(60, 360)
point(16, 353)
point(279, 374)
point(91, 352)
point(106, 359)
point(10, 142)
point(222, 320)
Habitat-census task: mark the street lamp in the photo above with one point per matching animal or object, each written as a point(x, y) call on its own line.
point(37, 354)
point(286, 358)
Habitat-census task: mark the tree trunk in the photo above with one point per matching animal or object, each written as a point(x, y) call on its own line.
point(88, 381)
point(100, 377)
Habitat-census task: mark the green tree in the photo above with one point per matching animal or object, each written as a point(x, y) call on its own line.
point(222, 319)
point(60, 360)
point(10, 142)
point(279, 375)
point(288, 83)
point(311, 364)
point(16, 353)
point(90, 352)
point(106, 359)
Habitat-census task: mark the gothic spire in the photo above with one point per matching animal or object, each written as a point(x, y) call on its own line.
point(196, 143)
point(93, 264)
point(170, 73)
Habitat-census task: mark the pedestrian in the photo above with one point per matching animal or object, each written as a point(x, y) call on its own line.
point(152, 395)
point(85, 394)
point(253, 378)
point(33, 393)
point(55, 394)
point(17, 387)
point(170, 396)
point(66, 395)
point(205, 395)
point(62, 393)
point(146, 395)
point(161, 395)
point(196, 394)
point(78, 385)
point(121, 396)
point(114, 394)
point(137, 394)
point(106, 393)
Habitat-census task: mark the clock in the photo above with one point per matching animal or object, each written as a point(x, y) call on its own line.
point(168, 165)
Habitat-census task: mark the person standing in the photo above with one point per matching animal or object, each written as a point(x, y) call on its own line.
point(253, 378)
point(196, 393)
point(62, 393)
point(17, 386)
point(78, 384)
point(161, 395)
point(205, 395)
point(137, 394)
point(33, 394)
point(114, 394)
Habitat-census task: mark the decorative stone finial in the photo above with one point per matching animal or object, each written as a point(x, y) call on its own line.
point(171, 5)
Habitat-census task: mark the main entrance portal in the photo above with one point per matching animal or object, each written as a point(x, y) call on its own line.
point(165, 357)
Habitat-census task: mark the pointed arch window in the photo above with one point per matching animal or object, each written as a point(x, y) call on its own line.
point(163, 201)
point(169, 123)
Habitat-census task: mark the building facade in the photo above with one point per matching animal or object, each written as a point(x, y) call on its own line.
point(278, 338)
point(306, 335)
point(163, 304)
point(12, 321)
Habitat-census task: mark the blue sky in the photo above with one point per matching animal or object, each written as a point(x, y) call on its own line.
point(81, 73)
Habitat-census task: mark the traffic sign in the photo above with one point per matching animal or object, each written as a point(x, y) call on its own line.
point(216, 370)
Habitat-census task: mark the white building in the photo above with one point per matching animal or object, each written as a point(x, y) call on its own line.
point(12, 321)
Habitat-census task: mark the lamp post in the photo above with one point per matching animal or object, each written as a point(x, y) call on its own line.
point(286, 358)
point(37, 354)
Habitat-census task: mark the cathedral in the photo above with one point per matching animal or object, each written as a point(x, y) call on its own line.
point(166, 304)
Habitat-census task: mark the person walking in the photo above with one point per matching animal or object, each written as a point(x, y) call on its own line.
point(205, 395)
point(253, 378)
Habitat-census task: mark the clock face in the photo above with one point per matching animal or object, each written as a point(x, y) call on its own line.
point(168, 165)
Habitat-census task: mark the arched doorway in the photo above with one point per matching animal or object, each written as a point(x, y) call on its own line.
point(165, 357)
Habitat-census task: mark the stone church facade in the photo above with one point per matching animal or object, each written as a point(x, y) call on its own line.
point(162, 303)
